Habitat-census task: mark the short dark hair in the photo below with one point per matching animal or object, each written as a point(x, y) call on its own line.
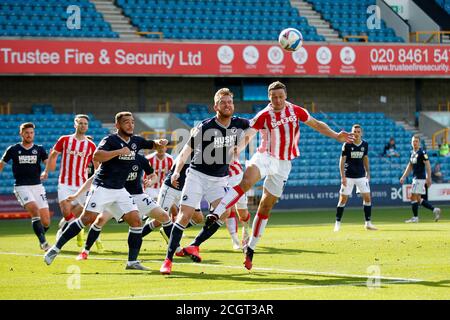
point(26, 125)
point(276, 85)
point(122, 114)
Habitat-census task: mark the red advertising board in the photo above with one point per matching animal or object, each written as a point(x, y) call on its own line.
point(220, 59)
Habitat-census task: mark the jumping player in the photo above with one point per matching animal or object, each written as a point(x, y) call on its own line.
point(28, 189)
point(354, 169)
point(421, 168)
point(278, 125)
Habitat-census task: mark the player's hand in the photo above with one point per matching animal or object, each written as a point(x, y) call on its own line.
point(150, 180)
point(344, 181)
point(368, 177)
point(161, 142)
point(402, 180)
point(233, 154)
point(71, 197)
point(125, 151)
point(44, 175)
point(428, 182)
point(174, 179)
point(344, 136)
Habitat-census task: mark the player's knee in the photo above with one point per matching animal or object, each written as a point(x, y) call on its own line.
point(101, 221)
point(198, 217)
point(88, 218)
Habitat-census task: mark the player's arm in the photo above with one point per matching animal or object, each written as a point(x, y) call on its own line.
point(342, 171)
point(5, 158)
point(406, 173)
point(428, 168)
point(181, 160)
point(366, 166)
point(50, 164)
point(248, 136)
point(324, 129)
point(104, 155)
point(83, 189)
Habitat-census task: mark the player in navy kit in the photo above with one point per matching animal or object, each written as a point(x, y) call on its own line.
point(212, 143)
point(116, 153)
point(421, 168)
point(354, 169)
point(169, 196)
point(144, 202)
point(28, 189)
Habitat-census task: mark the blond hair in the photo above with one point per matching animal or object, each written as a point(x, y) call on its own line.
point(122, 114)
point(220, 93)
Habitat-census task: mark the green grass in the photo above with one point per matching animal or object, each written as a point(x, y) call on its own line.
point(299, 257)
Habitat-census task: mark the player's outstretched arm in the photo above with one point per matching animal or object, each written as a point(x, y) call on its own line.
point(103, 155)
point(324, 129)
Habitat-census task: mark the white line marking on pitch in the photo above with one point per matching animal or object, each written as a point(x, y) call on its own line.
point(187, 294)
point(317, 273)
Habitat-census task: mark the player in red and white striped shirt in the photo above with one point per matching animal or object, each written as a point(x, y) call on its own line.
point(278, 125)
point(161, 162)
point(77, 152)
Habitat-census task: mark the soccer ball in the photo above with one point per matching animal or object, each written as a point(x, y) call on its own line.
point(290, 39)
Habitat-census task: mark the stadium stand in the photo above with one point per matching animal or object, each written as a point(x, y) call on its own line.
point(319, 159)
point(350, 19)
point(48, 18)
point(444, 4)
point(49, 127)
point(216, 20)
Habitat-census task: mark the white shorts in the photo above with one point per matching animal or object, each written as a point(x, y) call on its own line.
point(362, 186)
point(276, 172)
point(152, 192)
point(144, 203)
point(35, 193)
point(117, 201)
point(64, 191)
point(199, 185)
point(168, 197)
point(418, 186)
point(234, 181)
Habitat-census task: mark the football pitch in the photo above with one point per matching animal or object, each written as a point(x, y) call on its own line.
point(299, 257)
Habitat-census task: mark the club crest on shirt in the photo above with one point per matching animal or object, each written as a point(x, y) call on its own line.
point(135, 168)
point(133, 146)
point(34, 151)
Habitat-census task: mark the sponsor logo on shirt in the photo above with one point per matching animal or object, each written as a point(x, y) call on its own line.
point(284, 121)
point(27, 159)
